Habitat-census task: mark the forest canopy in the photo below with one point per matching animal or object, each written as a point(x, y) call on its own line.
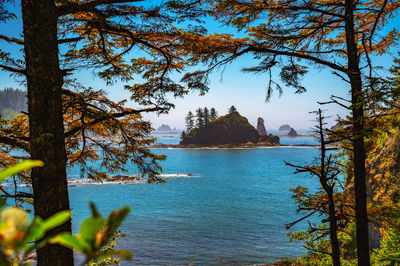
point(12, 102)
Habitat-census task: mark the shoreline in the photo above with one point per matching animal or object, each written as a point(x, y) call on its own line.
point(248, 145)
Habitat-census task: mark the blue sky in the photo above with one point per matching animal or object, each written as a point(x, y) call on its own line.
point(246, 91)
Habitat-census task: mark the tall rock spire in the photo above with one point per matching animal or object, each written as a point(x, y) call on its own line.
point(260, 127)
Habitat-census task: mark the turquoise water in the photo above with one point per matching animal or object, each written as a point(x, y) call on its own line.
point(233, 208)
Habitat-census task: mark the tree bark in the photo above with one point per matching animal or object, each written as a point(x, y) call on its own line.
point(333, 230)
point(360, 191)
point(46, 128)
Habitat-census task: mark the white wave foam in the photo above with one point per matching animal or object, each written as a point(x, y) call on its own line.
point(176, 175)
point(89, 182)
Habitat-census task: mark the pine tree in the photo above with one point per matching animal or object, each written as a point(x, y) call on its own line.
point(213, 114)
point(183, 135)
point(206, 115)
point(324, 201)
point(199, 118)
point(232, 110)
point(189, 120)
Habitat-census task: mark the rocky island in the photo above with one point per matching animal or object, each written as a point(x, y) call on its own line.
point(164, 128)
point(284, 127)
point(292, 133)
point(228, 131)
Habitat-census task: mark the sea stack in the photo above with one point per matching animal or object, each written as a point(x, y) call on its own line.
point(164, 128)
point(260, 127)
point(285, 127)
point(292, 133)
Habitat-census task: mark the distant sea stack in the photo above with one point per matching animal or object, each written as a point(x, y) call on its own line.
point(164, 128)
point(285, 128)
point(260, 127)
point(292, 133)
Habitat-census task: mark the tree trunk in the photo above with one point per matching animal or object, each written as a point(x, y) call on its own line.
point(46, 127)
point(329, 191)
point(333, 230)
point(360, 190)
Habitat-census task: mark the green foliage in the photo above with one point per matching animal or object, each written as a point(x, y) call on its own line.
point(200, 118)
point(183, 135)
point(389, 251)
point(43, 137)
point(203, 117)
point(213, 114)
point(232, 110)
point(18, 236)
point(189, 120)
point(95, 234)
point(19, 167)
point(105, 250)
point(317, 243)
point(9, 113)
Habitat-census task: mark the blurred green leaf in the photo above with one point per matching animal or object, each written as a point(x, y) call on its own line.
point(35, 230)
point(90, 228)
point(94, 236)
point(114, 221)
point(19, 167)
point(120, 253)
point(56, 220)
point(93, 208)
point(70, 241)
point(2, 202)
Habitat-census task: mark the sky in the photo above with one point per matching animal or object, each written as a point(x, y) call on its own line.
point(232, 87)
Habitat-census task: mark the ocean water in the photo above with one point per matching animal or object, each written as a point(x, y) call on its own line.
point(218, 206)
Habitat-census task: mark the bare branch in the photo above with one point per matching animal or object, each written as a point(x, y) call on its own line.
point(15, 142)
point(11, 40)
point(13, 69)
point(252, 48)
point(88, 6)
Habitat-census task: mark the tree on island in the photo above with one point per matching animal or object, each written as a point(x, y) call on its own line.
point(290, 35)
point(189, 121)
point(232, 110)
point(183, 135)
point(96, 35)
point(213, 114)
point(228, 129)
point(199, 118)
point(206, 115)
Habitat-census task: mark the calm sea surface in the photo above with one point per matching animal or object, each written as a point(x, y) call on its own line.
point(233, 208)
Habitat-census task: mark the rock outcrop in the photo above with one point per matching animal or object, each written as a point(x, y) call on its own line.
point(164, 128)
point(118, 178)
point(231, 128)
point(260, 127)
point(270, 138)
point(292, 133)
point(284, 128)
